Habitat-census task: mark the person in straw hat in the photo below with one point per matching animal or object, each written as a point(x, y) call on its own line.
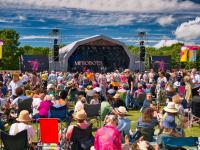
point(80, 117)
point(117, 102)
point(124, 124)
point(23, 123)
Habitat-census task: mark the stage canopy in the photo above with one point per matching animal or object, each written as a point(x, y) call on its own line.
point(97, 53)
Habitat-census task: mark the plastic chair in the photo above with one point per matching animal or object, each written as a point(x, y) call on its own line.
point(25, 104)
point(15, 142)
point(81, 138)
point(49, 131)
point(178, 142)
point(93, 111)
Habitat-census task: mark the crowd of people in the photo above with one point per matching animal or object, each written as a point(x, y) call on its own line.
point(162, 98)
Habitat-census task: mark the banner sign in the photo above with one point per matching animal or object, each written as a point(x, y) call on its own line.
point(161, 63)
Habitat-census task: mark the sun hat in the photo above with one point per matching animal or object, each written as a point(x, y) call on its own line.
point(171, 108)
point(80, 115)
point(90, 93)
point(111, 92)
point(126, 70)
point(121, 110)
point(169, 122)
point(116, 96)
point(97, 89)
point(24, 116)
point(50, 86)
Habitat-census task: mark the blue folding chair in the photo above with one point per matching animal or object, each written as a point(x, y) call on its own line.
point(169, 143)
point(60, 112)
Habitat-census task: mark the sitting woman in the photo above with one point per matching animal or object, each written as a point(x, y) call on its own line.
point(124, 124)
point(80, 103)
point(44, 107)
point(23, 123)
point(84, 135)
point(62, 99)
point(108, 137)
point(96, 99)
point(146, 124)
point(169, 130)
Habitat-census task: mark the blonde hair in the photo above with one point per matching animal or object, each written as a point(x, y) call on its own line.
point(111, 119)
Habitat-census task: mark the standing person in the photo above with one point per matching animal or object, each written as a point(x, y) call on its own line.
point(102, 81)
point(195, 78)
point(130, 80)
point(188, 89)
point(151, 76)
point(15, 83)
point(108, 137)
point(52, 78)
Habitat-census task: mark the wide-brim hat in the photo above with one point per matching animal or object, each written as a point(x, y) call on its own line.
point(97, 89)
point(116, 96)
point(121, 110)
point(171, 108)
point(90, 93)
point(24, 116)
point(111, 92)
point(126, 70)
point(80, 115)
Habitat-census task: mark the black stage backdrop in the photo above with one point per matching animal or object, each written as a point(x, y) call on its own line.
point(32, 63)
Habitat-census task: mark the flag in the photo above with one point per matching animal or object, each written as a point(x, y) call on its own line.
point(192, 55)
point(183, 54)
point(1, 49)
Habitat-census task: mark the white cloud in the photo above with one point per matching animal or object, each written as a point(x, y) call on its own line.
point(189, 30)
point(165, 20)
point(31, 37)
point(5, 21)
point(106, 5)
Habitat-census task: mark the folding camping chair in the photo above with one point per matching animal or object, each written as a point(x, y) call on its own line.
point(14, 142)
point(81, 138)
point(25, 105)
point(194, 113)
point(61, 113)
point(49, 133)
point(174, 143)
point(93, 112)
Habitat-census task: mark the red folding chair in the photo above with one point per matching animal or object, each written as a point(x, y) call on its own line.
point(49, 132)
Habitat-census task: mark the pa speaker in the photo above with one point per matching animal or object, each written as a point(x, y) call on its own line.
point(56, 53)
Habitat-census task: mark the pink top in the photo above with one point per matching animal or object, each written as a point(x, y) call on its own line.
point(107, 138)
point(44, 108)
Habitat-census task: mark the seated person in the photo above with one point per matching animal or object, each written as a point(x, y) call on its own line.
point(80, 116)
point(80, 103)
point(117, 102)
point(108, 137)
point(124, 124)
point(147, 102)
point(146, 124)
point(95, 99)
point(20, 96)
point(23, 123)
point(62, 99)
point(169, 130)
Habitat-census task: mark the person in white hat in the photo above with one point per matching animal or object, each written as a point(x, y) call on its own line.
point(23, 123)
point(124, 124)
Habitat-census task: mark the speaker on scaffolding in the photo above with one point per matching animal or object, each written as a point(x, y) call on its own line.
point(56, 50)
point(142, 51)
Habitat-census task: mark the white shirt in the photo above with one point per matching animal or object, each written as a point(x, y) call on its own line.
point(79, 105)
point(36, 104)
point(164, 79)
point(13, 85)
point(195, 78)
point(18, 127)
point(25, 78)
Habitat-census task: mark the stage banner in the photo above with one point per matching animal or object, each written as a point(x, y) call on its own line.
point(192, 55)
point(33, 63)
point(1, 49)
point(161, 63)
point(184, 54)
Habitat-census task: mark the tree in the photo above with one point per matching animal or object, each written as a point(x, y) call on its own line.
point(11, 53)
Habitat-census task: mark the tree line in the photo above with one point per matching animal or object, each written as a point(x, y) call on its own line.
point(12, 51)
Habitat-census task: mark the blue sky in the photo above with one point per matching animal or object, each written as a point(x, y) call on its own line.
point(122, 20)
